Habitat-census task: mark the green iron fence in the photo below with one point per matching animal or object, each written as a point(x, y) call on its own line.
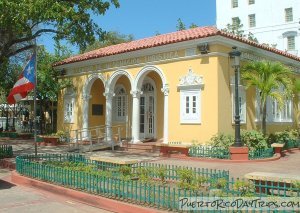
point(261, 153)
point(292, 144)
point(170, 171)
point(147, 193)
point(221, 153)
point(9, 134)
point(6, 151)
point(209, 152)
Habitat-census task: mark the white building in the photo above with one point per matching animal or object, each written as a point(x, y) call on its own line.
point(274, 22)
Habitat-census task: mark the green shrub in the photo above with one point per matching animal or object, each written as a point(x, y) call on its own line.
point(221, 140)
point(245, 188)
point(186, 176)
point(283, 137)
point(161, 172)
point(125, 170)
point(145, 175)
point(254, 139)
point(221, 183)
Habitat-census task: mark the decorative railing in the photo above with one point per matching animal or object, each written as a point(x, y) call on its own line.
point(261, 153)
point(95, 179)
point(6, 151)
point(222, 153)
point(209, 152)
point(170, 172)
point(292, 144)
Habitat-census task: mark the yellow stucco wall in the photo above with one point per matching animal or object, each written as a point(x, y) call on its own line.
point(97, 91)
point(216, 103)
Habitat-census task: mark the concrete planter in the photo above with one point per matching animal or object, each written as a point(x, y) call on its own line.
point(50, 140)
point(239, 153)
point(25, 136)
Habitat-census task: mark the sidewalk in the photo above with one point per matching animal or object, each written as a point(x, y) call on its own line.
point(16, 199)
point(289, 164)
point(25, 147)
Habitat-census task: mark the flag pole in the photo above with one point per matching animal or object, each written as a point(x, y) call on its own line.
point(34, 99)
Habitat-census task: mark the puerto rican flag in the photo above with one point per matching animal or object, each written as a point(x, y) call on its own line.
point(25, 83)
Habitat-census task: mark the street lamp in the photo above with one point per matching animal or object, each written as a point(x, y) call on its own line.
point(235, 62)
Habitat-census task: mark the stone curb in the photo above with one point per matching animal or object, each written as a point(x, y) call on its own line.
point(214, 160)
point(82, 197)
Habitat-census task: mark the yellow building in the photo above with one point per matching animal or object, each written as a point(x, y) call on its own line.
point(171, 87)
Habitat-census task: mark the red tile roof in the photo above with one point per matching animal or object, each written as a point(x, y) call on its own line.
point(164, 39)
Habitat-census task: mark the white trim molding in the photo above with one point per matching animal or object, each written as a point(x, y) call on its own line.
point(69, 105)
point(190, 87)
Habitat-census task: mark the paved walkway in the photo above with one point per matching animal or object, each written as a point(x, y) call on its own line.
point(22, 147)
point(16, 199)
point(289, 164)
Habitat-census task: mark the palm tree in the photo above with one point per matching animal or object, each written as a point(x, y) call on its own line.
point(271, 79)
point(296, 92)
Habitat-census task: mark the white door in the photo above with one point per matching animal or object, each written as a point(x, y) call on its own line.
point(147, 112)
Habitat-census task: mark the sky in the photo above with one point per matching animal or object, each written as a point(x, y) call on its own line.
point(145, 18)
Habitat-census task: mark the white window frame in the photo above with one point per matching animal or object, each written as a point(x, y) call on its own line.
point(252, 20)
point(274, 114)
point(288, 14)
point(123, 104)
point(281, 115)
point(234, 3)
point(291, 43)
point(69, 106)
point(242, 101)
point(234, 21)
point(190, 87)
point(190, 111)
point(251, 2)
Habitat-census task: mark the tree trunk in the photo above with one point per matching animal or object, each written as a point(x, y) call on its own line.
point(41, 117)
point(6, 126)
point(296, 111)
point(264, 119)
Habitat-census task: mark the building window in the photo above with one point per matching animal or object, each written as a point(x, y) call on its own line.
point(190, 87)
point(234, 3)
point(69, 105)
point(242, 101)
point(283, 114)
point(120, 104)
point(274, 112)
point(251, 1)
point(190, 106)
point(235, 22)
point(252, 21)
point(288, 14)
point(291, 43)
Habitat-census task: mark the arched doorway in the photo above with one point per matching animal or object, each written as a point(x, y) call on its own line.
point(148, 109)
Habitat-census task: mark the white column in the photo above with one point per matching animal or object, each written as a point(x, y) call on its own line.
point(135, 116)
point(85, 114)
point(108, 115)
point(165, 90)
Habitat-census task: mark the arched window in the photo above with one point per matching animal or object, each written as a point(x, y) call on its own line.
point(120, 103)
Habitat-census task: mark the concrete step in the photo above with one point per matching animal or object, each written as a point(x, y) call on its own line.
point(146, 147)
point(140, 151)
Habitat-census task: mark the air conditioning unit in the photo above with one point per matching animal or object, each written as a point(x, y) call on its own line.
point(203, 48)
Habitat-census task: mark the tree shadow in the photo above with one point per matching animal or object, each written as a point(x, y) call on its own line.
point(6, 185)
